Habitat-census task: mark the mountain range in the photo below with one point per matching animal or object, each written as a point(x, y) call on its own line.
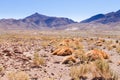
point(109, 21)
point(35, 21)
point(104, 18)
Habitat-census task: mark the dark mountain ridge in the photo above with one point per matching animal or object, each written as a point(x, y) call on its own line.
point(93, 18)
point(111, 17)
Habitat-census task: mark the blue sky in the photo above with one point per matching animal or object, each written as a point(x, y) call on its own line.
point(75, 9)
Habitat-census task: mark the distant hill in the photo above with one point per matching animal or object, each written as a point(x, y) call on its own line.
point(111, 17)
point(35, 21)
point(103, 22)
point(109, 21)
point(93, 18)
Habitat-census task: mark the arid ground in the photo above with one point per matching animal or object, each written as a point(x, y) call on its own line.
point(59, 55)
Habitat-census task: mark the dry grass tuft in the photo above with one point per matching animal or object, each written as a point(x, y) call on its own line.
point(99, 70)
point(118, 49)
point(48, 79)
point(102, 67)
point(37, 60)
point(79, 72)
point(1, 68)
point(18, 76)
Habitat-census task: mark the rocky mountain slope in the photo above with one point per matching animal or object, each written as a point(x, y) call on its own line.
point(109, 21)
point(35, 21)
point(111, 17)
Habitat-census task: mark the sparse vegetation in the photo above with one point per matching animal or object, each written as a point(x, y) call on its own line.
point(104, 70)
point(1, 68)
point(79, 72)
point(98, 69)
point(37, 60)
point(50, 54)
point(118, 49)
point(18, 76)
point(48, 79)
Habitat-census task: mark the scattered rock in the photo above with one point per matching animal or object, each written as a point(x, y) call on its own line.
point(8, 50)
point(18, 50)
point(28, 55)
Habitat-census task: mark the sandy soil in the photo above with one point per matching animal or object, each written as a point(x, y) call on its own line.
point(18, 57)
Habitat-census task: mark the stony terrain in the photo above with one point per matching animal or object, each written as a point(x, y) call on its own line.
point(59, 55)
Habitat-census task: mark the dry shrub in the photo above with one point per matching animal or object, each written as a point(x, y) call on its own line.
point(11, 75)
point(109, 44)
point(99, 70)
point(44, 43)
point(118, 49)
point(111, 47)
point(67, 46)
point(99, 42)
point(67, 59)
point(37, 60)
point(73, 43)
point(48, 79)
point(65, 42)
point(1, 68)
point(63, 51)
point(18, 76)
point(79, 46)
point(79, 72)
point(104, 71)
point(97, 54)
point(79, 52)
